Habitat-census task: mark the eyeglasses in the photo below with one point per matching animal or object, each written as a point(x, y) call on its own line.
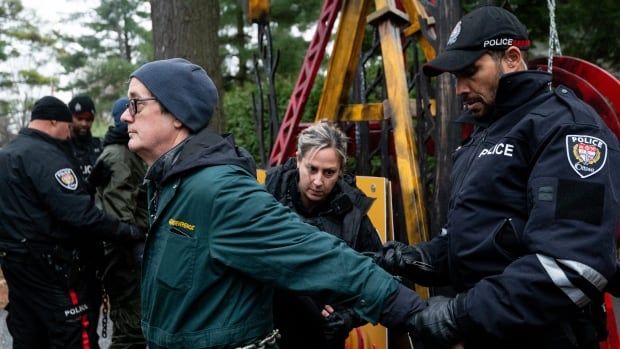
point(132, 106)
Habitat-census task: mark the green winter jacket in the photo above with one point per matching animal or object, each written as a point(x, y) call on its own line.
point(219, 244)
point(118, 176)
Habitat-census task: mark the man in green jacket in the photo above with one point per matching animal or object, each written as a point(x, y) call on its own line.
point(218, 243)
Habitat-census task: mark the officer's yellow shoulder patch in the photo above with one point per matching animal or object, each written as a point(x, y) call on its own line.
point(181, 224)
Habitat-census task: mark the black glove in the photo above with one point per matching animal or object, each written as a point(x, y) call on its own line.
point(132, 232)
point(338, 324)
point(405, 260)
point(437, 325)
point(100, 175)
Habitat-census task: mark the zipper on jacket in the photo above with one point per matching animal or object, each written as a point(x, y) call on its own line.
point(470, 161)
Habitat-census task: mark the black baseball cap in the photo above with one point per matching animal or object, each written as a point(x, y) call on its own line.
point(483, 29)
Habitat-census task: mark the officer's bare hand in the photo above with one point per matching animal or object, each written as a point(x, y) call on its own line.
point(327, 310)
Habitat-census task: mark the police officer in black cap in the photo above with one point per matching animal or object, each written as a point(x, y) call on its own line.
point(529, 244)
point(45, 216)
point(86, 148)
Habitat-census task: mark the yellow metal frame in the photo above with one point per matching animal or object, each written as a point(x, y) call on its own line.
point(416, 11)
point(334, 97)
point(380, 214)
point(344, 59)
point(342, 67)
point(257, 11)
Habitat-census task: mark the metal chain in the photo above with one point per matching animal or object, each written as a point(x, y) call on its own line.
point(104, 310)
point(270, 340)
point(554, 40)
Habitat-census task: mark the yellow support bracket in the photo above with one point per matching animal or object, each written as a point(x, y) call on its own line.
point(342, 68)
point(257, 11)
point(404, 138)
point(415, 12)
point(344, 60)
point(362, 112)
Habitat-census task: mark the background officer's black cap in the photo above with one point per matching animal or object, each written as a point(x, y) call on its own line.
point(81, 104)
point(483, 29)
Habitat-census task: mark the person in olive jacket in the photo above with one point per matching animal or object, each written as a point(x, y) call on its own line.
point(118, 175)
point(315, 186)
point(218, 243)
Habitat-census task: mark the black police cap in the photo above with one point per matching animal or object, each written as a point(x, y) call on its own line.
point(81, 104)
point(487, 28)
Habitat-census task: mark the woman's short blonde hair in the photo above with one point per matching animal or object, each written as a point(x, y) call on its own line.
point(322, 136)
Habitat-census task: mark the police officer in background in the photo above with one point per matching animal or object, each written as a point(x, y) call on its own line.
point(86, 148)
point(529, 244)
point(45, 216)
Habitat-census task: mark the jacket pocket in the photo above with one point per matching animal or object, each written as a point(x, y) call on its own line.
point(507, 239)
point(176, 268)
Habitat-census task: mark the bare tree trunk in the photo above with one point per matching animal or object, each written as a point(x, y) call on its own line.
point(125, 40)
point(189, 29)
point(240, 42)
point(5, 135)
point(447, 110)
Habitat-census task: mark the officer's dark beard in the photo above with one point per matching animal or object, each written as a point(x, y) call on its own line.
point(81, 137)
point(491, 106)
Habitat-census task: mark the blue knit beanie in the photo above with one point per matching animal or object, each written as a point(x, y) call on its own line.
point(118, 108)
point(183, 88)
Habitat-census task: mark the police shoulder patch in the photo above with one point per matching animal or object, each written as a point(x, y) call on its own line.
point(586, 154)
point(67, 178)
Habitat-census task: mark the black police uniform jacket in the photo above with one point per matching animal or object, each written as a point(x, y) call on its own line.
point(48, 222)
point(86, 150)
point(42, 198)
point(344, 214)
point(532, 217)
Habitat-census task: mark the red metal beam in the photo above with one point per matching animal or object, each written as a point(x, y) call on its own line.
point(284, 145)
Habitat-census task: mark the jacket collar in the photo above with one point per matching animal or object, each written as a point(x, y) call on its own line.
point(65, 146)
point(157, 172)
point(116, 135)
point(203, 149)
point(517, 89)
point(514, 90)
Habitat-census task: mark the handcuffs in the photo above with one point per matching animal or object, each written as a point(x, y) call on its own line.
point(269, 340)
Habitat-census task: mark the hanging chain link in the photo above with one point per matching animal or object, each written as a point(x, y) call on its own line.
point(554, 40)
point(104, 310)
point(268, 341)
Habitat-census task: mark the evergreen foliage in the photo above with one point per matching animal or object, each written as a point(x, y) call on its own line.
point(22, 49)
point(99, 60)
point(118, 38)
